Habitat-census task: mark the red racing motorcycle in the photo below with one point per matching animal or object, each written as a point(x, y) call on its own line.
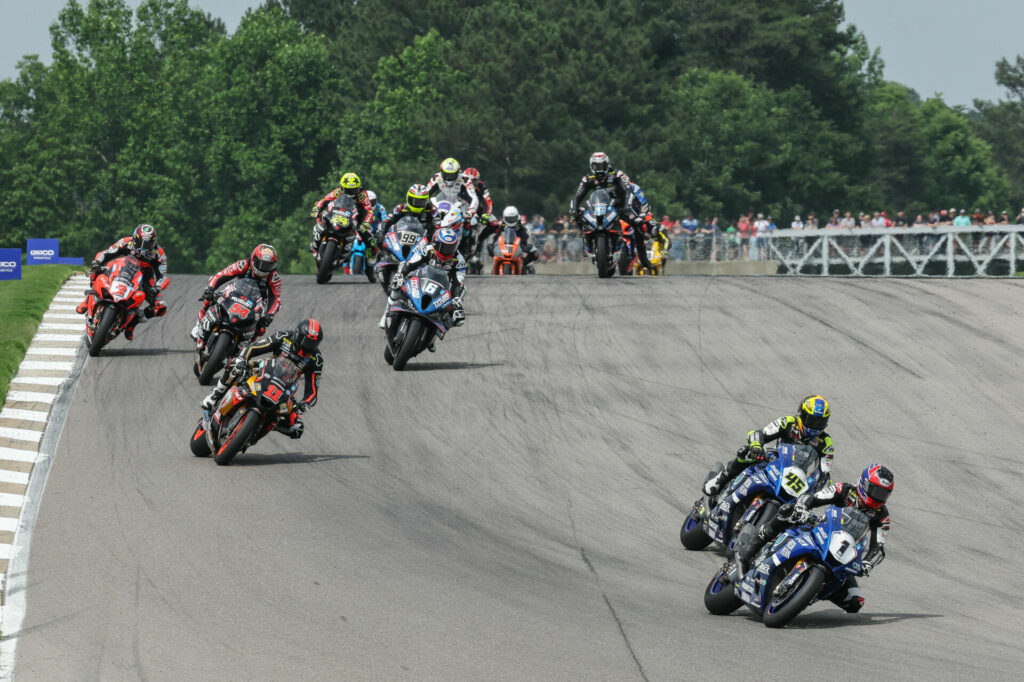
point(117, 297)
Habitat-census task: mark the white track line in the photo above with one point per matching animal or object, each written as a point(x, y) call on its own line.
point(30, 397)
point(8, 524)
point(12, 477)
point(80, 327)
point(21, 434)
point(44, 350)
point(5, 551)
point(61, 316)
point(24, 415)
point(61, 306)
point(56, 337)
point(16, 455)
point(39, 381)
point(46, 364)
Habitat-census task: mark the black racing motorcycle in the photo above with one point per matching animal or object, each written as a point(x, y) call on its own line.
point(233, 317)
point(339, 223)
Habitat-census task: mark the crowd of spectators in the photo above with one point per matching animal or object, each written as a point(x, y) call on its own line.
point(713, 239)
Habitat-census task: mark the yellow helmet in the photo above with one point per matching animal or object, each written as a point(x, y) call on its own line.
point(813, 415)
point(350, 183)
point(450, 169)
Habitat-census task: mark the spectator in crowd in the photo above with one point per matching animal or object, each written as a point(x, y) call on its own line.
point(847, 223)
point(990, 218)
point(833, 221)
point(762, 226)
point(689, 227)
point(797, 224)
point(1004, 218)
point(878, 220)
point(899, 220)
point(708, 234)
point(744, 228)
point(666, 224)
point(538, 229)
point(812, 221)
point(962, 220)
point(977, 218)
point(1019, 220)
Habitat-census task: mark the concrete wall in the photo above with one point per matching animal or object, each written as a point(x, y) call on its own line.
point(673, 268)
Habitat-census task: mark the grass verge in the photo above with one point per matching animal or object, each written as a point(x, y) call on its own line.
point(22, 303)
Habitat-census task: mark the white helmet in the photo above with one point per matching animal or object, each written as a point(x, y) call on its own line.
point(372, 196)
point(510, 216)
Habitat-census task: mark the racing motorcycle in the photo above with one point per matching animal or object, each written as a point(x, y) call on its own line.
point(359, 261)
point(800, 567)
point(403, 239)
point(249, 411)
point(233, 318)
point(445, 202)
point(421, 315)
point(508, 253)
point(339, 223)
point(115, 299)
point(602, 232)
point(753, 498)
point(656, 255)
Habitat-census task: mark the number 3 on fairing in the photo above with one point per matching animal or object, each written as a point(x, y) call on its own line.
point(430, 287)
point(794, 483)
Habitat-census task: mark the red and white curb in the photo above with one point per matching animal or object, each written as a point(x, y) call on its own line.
point(30, 423)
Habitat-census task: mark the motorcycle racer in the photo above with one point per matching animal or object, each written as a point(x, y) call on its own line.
point(603, 176)
point(351, 185)
point(442, 251)
point(262, 267)
point(142, 244)
point(510, 217)
point(302, 347)
point(869, 495)
point(450, 181)
point(807, 427)
point(417, 205)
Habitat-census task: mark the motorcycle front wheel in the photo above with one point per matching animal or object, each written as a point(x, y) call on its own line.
point(325, 270)
point(410, 344)
point(102, 331)
point(215, 360)
point(779, 612)
point(198, 444)
point(238, 438)
point(604, 257)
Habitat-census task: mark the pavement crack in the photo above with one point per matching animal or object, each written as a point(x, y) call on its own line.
point(604, 596)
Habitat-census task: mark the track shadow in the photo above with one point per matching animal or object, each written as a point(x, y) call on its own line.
point(256, 459)
point(128, 352)
point(430, 366)
point(835, 618)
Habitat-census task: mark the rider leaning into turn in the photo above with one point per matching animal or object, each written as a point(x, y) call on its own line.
point(603, 176)
point(417, 205)
point(807, 427)
point(302, 347)
point(351, 185)
point(142, 245)
point(443, 252)
point(261, 266)
point(869, 495)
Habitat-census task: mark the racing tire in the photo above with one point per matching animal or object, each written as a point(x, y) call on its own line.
point(239, 438)
point(624, 262)
point(325, 270)
point(99, 335)
point(692, 533)
point(358, 266)
point(720, 597)
point(198, 444)
point(371, 272)
point(215, 360)
point(604, 257)
point(777, 617)
point(389, 357)
point(506, 269)
point(410, 344)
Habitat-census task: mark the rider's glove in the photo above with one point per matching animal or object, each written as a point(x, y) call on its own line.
point(397, 280)
point(457, 302)
point(865, 568)
point(301, 408)
point(755, 451)
point(238, 365)
point(265, 321)
point(458, 317)
point(315, 213)
point(95, 267)
point(208, 294)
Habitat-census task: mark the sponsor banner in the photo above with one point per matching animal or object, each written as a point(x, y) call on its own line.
point(43, 251)
point(67, 260)
point(10, 264)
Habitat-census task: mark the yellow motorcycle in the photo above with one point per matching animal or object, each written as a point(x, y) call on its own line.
point(656, 254)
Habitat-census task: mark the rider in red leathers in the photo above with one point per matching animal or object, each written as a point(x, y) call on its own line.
point(142, 245)
point(262, 267)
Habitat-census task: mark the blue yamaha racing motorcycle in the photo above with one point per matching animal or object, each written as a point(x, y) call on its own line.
point(800, 567)
point(753, 498)
point(423, 314)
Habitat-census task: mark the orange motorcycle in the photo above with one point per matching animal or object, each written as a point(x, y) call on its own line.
point(508, 254)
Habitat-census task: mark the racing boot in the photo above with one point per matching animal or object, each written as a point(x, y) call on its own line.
point(210, 401)
point(716, 483)
point(200, 331)
point(293, 428)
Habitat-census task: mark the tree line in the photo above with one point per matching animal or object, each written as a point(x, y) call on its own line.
point(713, 106)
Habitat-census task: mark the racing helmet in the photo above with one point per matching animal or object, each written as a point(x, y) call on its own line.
point(875, 486)
point(263, 261)
point(450, 169)
point(144, 241)
point(471, 174)
point(812, 415)
point(306, 336)
point(599, 164)
point(446, 238)
point(350, 184)
point(372, 196)
point(510, 216)
point(417, 198)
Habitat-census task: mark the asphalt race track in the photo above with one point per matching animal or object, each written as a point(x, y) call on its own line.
point(509, 508)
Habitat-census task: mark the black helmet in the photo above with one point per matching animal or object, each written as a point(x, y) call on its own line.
point(307, 335)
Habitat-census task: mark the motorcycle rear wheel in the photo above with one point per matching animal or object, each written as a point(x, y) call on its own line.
point(215, 360)
point(99, 335)
point(410, 343)
point(239, 438)
point(358, 264)
point(325, 270)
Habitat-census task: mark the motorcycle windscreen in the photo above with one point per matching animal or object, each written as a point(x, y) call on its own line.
point(242, 300)
point(428, 289)
point(122, 285)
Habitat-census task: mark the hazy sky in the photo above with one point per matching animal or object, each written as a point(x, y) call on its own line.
point(947, 46)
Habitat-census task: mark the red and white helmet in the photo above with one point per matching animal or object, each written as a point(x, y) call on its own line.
point(875, 486)
point(263, 261)
point(471, 174)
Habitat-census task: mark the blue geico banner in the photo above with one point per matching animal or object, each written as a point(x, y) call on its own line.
point(43, 251)
point(10, 263)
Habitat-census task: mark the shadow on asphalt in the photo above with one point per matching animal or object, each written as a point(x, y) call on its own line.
point(128, 352)
point(838, 619)
point(429, 366)
point(257, 459)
